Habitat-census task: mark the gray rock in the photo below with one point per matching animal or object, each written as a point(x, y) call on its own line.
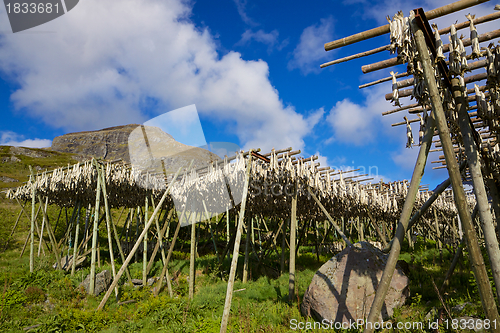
point(343, 288)
point(8, 179)
point(67, 262)
point(460, 307)
point(102, 282)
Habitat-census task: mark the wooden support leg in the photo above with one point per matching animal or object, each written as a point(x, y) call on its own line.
point(32, 229)
point(145, 249)
point(386, 279)
point(245, 263)
point(52, 237)
point(234, 264)
point(75, 247)
point(108, 226)
point(94, 234)
point(136, 246)
point(293, 244)
point(192, 257)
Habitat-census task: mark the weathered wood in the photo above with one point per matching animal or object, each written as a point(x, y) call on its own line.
point(478, 266)
point(395, 61)
point(245, 261)
point(136, 246)
point(348, 242)
point(293, 244)
point(234, 263)
point(41, 230)
point(473, 159)
point(100, 174)
point(356, 56)
point(32, 228)
point(94, 234)
point(192, 257)
point(145, 243)
point(418, 171)
point(75, 247)
point(432, 14)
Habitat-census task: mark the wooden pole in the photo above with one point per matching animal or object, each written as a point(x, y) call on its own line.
point(386, 279)
point(438, 232)
point(94, 232)
point(478, 266)
point(118, 243)
point(43, 226)
point(283, 246)
point(211, 232)
point(145, 251)
point(432, 14)
point(100, 174)
point(52, 237)
point(192, 258)
point(232, 272)
point(471, 151)
point(136, 246)
point(293, 244)
point(245, 262)
point(160, 243)
point(169, 255)
point(344, 237)
point(75, 247)
point(396, 61)
point(32, 229)
point(161, 234)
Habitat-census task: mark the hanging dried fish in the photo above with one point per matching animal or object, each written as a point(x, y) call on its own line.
point(476, 52)
point(490, 67)
point(409, 134)
point(439, 44)
point(421, 130)
point(463, 55)
point(395, 91)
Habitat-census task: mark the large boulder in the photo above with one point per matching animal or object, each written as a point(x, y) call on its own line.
point(102, 282)
point(343, 289)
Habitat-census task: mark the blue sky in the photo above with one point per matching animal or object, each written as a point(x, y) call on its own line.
point(250, 67)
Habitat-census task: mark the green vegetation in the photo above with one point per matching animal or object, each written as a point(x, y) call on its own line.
point(52, 301)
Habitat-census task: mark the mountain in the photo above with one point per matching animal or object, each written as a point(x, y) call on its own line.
point(143, 146)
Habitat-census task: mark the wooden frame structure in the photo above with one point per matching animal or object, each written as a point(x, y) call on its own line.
point(440, 86)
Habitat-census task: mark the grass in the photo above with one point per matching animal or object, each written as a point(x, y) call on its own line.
point(53, 300)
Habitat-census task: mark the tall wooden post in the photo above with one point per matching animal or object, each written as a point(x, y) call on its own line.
point(43, 226)
point(32, 229)
point(145, 252)
point(404, 219)
point(237, 240)
point(75, 247)
point(108, 224)
point(94, 232)
point(245, 262)
point(478, 266)
point(293, 244)
point(192, 257)
point(283, 246)
point(471, 151)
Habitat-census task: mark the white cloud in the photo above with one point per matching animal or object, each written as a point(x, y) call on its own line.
point(9, 138)
point(405, 158)
point(310, 51)
point(241, 5)
point(108, 60)
point(268, 38)
point(358, 123)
